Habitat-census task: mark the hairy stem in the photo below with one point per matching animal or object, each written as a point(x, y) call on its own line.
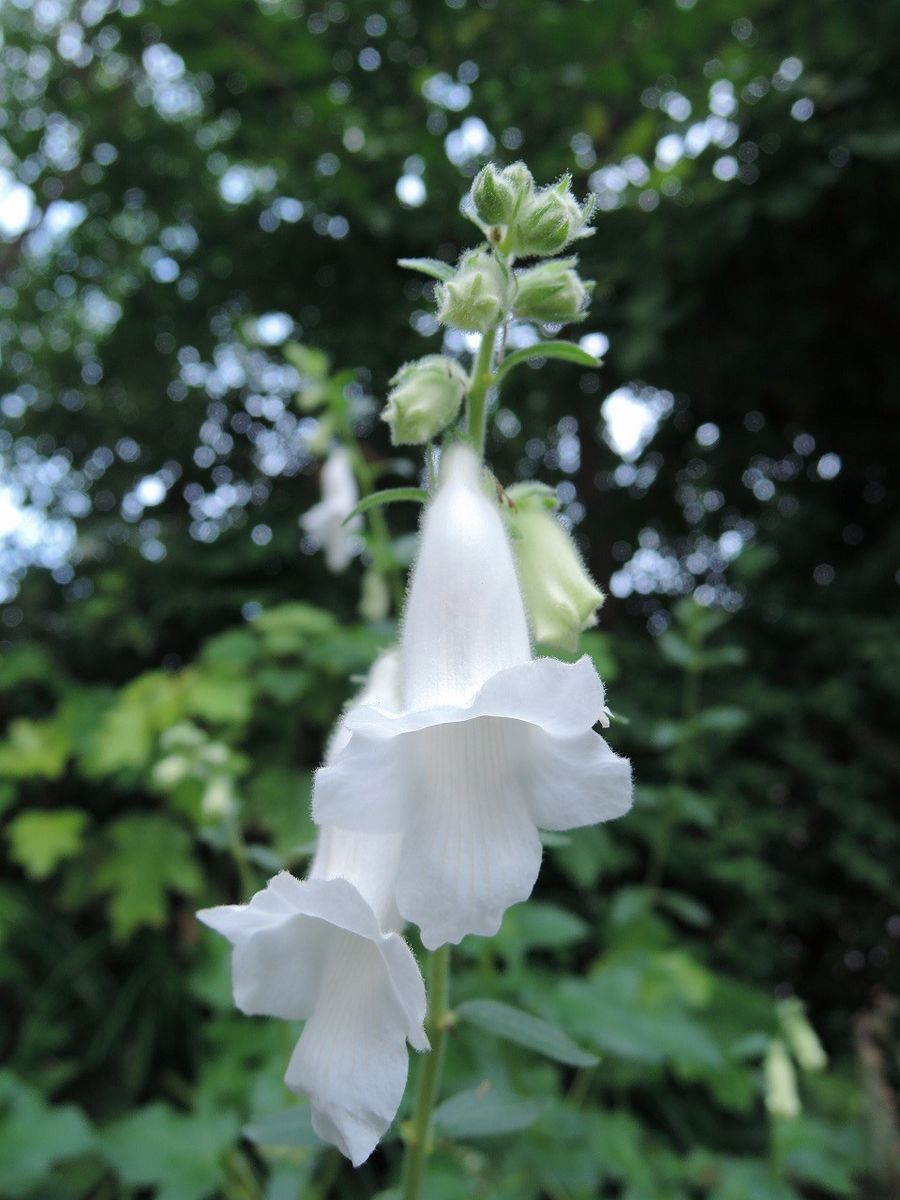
point(437, 1025)
point(479, 384)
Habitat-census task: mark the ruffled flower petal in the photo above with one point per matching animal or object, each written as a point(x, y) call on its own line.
point(351, 1059)
point(471, 848)
point(314, 950)
point(575, 781)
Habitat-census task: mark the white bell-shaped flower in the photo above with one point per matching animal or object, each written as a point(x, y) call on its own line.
point(324, 522)
point(489, 746)
point(326, 951)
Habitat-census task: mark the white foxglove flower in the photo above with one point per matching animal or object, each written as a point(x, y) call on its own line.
point(326, 951)
point(324, 522)
point(489, 746)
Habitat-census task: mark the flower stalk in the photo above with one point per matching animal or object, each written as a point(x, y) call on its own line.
point(437, 1026)
point(479, 385)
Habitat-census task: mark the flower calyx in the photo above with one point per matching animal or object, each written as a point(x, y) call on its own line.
point(477, 297)
point(425, 397)
point(552, 293)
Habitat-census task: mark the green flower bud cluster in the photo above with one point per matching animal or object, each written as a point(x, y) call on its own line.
point(552, 293)
point(561, 598)
point(527, 221)
point(477, 296)
point(425, 397)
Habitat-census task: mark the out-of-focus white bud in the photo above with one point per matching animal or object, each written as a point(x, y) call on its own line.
point(425, 398)
point(552, 293)
point(549, 220)
point(218, 798)
point(801, 1037)
point(324, 522)
point(375, 597)
point(561, 598)
point(782, 1097)
point(476, 297)
point(497, 194)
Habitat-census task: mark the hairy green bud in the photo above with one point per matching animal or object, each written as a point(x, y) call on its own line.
point(496, 195)
point(476, 297)
point(552, 293)
point(549, 220)
point(425, 397)
point(561, 598)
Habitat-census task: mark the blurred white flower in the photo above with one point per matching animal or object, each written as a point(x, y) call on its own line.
point(324, 522)
point(325, 950)
point(489, 744)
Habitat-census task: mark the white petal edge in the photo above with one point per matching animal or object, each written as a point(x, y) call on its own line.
point(562, 698)
point(572, 782)
point(281, 941)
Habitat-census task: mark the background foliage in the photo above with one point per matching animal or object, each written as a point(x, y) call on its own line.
point(186, 186)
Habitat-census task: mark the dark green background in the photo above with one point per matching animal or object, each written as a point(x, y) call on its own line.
point(760, 859)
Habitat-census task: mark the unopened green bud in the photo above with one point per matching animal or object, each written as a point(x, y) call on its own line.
point(561, 598)
point(497, 194)
point(552, 293)
point(782, 1097)
point(549, 220)
point(425, 397)
point(801, 1037)
point(475, 299)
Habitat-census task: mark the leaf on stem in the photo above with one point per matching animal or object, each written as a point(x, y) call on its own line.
point(567, 351)
point(388, 496)
point(428, 266)
point(520, 1027)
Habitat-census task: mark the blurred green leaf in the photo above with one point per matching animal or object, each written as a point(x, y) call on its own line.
point(147, 857)
point(35, 1136)
point(40, 841)
point(513, 1025)
point(179, 1154)
point(485, 1111)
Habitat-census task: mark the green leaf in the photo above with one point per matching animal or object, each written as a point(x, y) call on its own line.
point(485, 1112)
point(290, 1128)
point(40, 841)
point(34, 1135)
point(34, 750)
point(566, 351)
point(148, 856)
point(514, 1025)
point(428, 266)
point(180, 1154)
point(388, 496)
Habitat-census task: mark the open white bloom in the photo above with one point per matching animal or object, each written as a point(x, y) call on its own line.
point(324, 522)
point(489, 745)
point(325, 950)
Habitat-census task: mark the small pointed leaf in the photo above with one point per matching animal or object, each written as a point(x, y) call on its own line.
point(428, 266)
point(567, 351)
point(388, 496)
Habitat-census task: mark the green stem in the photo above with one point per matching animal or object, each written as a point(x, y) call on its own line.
point(241, 862)
point(437, 1026)
point(479, 384)
point(382, 551)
